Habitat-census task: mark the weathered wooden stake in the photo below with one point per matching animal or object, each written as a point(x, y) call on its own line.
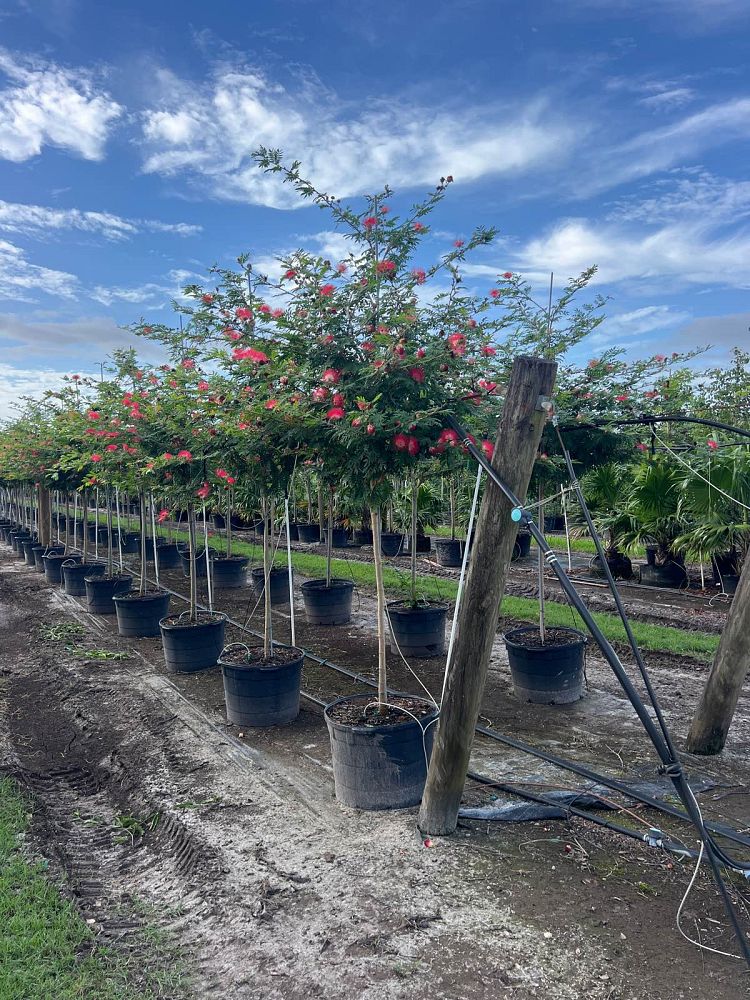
point(713, 716)
point(516, 447)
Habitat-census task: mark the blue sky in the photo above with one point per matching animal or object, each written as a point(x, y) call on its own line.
point(609, 132)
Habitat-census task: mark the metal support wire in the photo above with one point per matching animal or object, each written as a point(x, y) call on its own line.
point(659, 735)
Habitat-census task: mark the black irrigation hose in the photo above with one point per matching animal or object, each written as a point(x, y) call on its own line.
point(670, 763)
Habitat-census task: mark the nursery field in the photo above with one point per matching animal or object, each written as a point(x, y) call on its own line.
point(177, 834)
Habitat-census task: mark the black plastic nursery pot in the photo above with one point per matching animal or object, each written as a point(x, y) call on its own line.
point(293, 531)
point(362, 536)
point(73, 575)
point(190, 646)
point(424, 544)
point(53, 567)
point(200, 561)
point(17, 538)
point(725, 565)
point(380, 766)
point(28, 546)
point(278, 584)
point(131, 542)
point(100, 591)
point(259, 693)
point(549, 674)
point(620, 566)
point(309, 533)
point(139, 615)
point(417, 631)
point(40, 551)
point(328, 605)
point(168, 556)
point(391, 543)
point(523, 545)
point(450, 551)
point(669, 574)
point(37, 552)
point(339, 538)
point(230, 572)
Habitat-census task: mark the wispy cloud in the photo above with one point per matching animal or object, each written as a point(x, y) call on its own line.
point(208, 133)
point(22, 281)
point(155, 295)
point(47, 104)
point(36, 219)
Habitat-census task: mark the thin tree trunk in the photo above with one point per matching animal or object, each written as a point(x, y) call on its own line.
point(413, 553)
point(329, 539)
point(142, 510)
point(452, 504)
point(540, 570)
point(267, 620)
point(110, 545)
point(229, 523)
point(321, 518)
point(85, 524)
point(192, 553)
point(375, 521)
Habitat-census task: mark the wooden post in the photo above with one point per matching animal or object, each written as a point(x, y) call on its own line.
point(516, 447)
point(45, 521)
point(713, 716)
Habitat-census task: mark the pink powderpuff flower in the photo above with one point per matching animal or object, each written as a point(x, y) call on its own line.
point(96, 458)
point(327, 291)
point(384, 209)
point(448, 437)
point(713, 445)
point(291, 273)
point(417, 227)
point(494, 292)
point(622, 399)
point(489, 351)
point(230, 480)
point(232, 334)
point(264, 309)
point(458, 244)
point(167, 456)
point(356, 422)
point(641, 446)
point(650, 395)
point(271, 404)
point(386, 267)
point(202, 386)
point(319, 393)
point(370, 222)
point(221, 473)
point(421, 352)
point(208, 299)
point(335, 413)
point(413, 447)
point(188, 363)
point(660, 358)
point(277, 313)
point(457, 344)
point(400, 442)
point(185, 455)
point(417, 373)
point(488, 447)
point(341, 268)
point(111, 447)
point(487, 386)
point(399, 350)
point(507, 275)
point(203, 491)
point(337, 399)
point(367, 346)
point(419, 275)
point(243, 313)
point(163, 516)
point(332, 376)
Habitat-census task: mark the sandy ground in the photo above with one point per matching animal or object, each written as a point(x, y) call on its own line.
point(269, 888)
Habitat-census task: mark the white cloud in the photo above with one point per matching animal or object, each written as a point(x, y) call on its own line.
point(209, 133)
point(153, 294)
point(34, 219)
point(21, 280)
point(688, 194)
point(83, 342)
point(626, 329)
point(674, 255)
point(16, 383)
point(667, 100)
point(48, 104)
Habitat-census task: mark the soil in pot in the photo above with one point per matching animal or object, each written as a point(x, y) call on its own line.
point(450, 552)
point(309, 533)
point(140, 614)
point(549, 673)
point(73, 575)
point(190, 646)
point(380, 761)
point(261, 692)
point(620, 566)
point(328, 605)
point(417, 630)
point(391, 543)
point(230, 572)
point(101, 590)
point(278, 584)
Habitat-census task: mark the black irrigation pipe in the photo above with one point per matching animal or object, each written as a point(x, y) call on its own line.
point(644, 419)
point(658, 734)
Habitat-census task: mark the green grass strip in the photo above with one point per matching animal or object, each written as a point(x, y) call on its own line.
point(657, 638)
point(47, 952)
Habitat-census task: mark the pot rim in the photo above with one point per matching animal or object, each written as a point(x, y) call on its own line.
point(581, 637)
point(216, 618)
point(406, 607)
point(259, 667)
point(132, 596)
point(379, 730)
point(337, 583)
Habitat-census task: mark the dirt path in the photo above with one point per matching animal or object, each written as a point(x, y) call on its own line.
point(157, 811)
